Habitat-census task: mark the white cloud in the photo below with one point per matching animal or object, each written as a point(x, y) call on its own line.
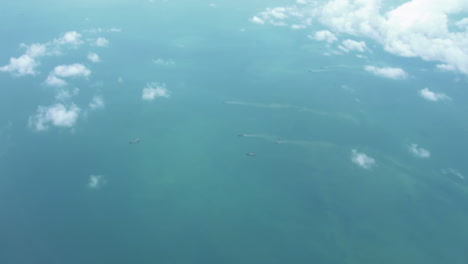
point(52, 80)
point(56, 76)
point(453, 172)
point(446, 67)
point(279, 16)
point(257, 20)
point(71, 70)
point(416, 28)
point(27, 63)
point(324, 35)
point(296, 26)
point(23, 65)
point(70, 38)
point(387, 72)
point(35, 50)
point(93, 57)
point(57, 115)
point(160, 61)
point(432, 96)
point(350, 45)
point(65, 94)
point(362, 160)
point(115, 30)
point(154, 90)
point(96, 181)
point(418, 151)
point(96, 103)
point(102, 42)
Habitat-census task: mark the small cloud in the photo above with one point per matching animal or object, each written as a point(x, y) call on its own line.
point(71, 70)
point(324, 35)
point(257, 20)
point(57, 115)
point(120, 80)
point(446, 67)
point(69, 38)
point(96, 103)
point(350, 45)
point(160, 61)
point(362, 160)
point(154, 90)
point(23, 65)
point(301, 2)
point(419, 152)
point(387, 72)
point(96, 181)
point(115, 30)
point(453, 172)
point(52, 80)
point(65, 94)
point(102, 42)
point(432, 96)
point(296, 26)
point(212, 5)
point(93, 57)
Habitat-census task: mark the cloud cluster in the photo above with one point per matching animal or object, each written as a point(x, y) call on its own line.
point(58, 115)
point(154, 90)
point(432, 96)
point(418, 151)
point(280, 16)
point(27, 63)
point(416, 28)
point(387, 72)
point(362, 160)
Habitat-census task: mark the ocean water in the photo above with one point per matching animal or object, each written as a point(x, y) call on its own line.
point(188, 193)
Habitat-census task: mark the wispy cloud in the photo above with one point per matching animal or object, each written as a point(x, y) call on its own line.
point(58, 115)
point(96, 181)
point(94, 57)
point(65, 94)
point(432, 96)
point(154, 90)
point(348, 45)
point(419, 152)
point(163, 62)
point(387, 72)
point(101, 42)
point(97, 102)
point(362, 160)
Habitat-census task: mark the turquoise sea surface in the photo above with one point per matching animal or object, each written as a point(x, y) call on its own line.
point(340, 173)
